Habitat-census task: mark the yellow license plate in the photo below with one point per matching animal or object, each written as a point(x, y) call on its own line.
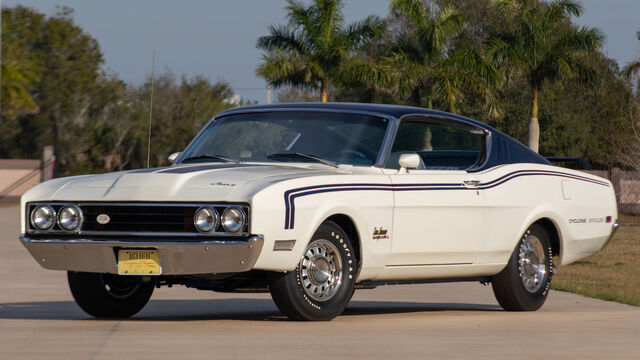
point(139, 262)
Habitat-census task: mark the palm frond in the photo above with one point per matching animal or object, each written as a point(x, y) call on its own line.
point(448, 87)
point(632, 70)
point(282, 38)
point(580, 39)
point(281, 68)
point(328, 17)
point(477, 65)
point(360, 72)
point(415, 10)
point(297, 14)
point(360, 32)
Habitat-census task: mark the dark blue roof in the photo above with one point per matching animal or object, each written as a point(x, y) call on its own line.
point(396, 111)
point(503, 149)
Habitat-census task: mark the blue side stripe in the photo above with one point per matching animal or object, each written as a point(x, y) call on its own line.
point(291, 195)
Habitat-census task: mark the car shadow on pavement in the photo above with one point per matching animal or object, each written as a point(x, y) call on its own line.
point(221, 309)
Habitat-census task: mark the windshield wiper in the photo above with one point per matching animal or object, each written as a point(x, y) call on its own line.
point(301, 155)
point(211, 157)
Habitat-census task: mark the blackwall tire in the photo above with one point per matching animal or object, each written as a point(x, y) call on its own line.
point(107, 295)
point(322, 284)
point(523, 285)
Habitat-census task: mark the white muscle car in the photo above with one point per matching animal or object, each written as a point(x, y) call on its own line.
point(310, 201)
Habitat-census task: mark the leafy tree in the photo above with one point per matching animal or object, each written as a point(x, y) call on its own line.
point(96, 121)
point(17, 73)
point(60, 68)
point(426, 65)
point(541, 45)
point(310, 50)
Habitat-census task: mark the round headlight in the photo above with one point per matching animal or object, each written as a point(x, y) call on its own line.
point(69, 218)
point(206, 219)
point(43, 217)
point(233, 219)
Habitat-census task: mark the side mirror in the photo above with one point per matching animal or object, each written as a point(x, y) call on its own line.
point(172, 158)
point(408, 161)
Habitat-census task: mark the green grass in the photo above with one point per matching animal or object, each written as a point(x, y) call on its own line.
point(612, 274)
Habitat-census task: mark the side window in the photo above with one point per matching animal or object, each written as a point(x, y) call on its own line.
point(441, 146)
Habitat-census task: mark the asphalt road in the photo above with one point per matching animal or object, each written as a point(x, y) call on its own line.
point(40, 320)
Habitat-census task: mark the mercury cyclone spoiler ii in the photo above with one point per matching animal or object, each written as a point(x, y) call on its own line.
point(312, 201)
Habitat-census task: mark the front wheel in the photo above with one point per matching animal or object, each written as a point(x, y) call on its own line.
point(322, 284)
point(524, 283)
point(108, 295)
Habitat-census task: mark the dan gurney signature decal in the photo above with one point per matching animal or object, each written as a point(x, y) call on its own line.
point(379, 233)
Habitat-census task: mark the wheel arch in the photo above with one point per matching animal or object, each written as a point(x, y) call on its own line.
point(348, 225)
point(553, 232)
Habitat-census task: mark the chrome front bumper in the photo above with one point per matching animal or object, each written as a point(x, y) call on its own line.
point(177, 258)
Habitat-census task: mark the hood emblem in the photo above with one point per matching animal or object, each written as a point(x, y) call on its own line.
point(220, 183)
point(103, 219)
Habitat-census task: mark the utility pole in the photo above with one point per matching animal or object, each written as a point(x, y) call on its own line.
point(153, 67)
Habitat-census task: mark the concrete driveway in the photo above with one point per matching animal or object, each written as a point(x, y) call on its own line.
point(40, 320)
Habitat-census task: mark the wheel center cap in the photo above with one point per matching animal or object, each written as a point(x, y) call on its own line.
point(320, 270)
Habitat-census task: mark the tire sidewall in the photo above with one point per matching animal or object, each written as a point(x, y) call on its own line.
point(88, 290)
point(311, 309)
point(528, 299)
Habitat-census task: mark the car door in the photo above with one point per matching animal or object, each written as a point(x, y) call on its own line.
point(438, 216)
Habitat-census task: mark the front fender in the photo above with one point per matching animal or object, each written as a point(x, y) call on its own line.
point(367, 211)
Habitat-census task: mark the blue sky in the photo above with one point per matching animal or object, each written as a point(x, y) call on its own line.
point(217, 38)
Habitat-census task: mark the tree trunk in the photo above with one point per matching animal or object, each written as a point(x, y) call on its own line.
point(323, 91)
point(534, 126)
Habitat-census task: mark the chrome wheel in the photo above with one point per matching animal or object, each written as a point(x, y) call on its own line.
point(532, 263)
point(320, 270)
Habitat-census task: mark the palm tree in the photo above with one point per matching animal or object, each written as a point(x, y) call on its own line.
point(632, 70)
point(310, 50)
point(425, 62)
point(542, 45)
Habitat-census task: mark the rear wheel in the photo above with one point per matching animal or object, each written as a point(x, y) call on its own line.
point(524, 283)
point(108, 295)
point(323, 282)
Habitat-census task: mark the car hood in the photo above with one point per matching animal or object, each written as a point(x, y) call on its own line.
point(192, 182)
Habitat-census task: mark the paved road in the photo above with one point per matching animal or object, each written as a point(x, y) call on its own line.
point(39, 320)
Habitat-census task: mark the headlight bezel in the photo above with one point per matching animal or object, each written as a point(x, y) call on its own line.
point(79, 220)
point(53, 217)
point(243, 216)
point(214, 214)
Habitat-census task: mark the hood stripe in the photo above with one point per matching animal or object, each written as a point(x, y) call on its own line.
point(190, 169)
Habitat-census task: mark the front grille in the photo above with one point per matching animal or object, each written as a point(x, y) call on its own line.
point(140, 218)
point(137, 219)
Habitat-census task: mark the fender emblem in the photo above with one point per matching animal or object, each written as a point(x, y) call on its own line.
point(103, 219)
point(380, 233)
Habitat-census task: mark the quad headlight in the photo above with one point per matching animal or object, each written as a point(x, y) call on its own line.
point(233, 219)
point(69, 218)
point(43, 217)
point(206, 219)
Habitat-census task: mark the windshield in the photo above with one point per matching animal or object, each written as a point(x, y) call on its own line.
point(291, 136)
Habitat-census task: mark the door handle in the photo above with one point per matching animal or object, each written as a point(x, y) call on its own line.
point(472, 183)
